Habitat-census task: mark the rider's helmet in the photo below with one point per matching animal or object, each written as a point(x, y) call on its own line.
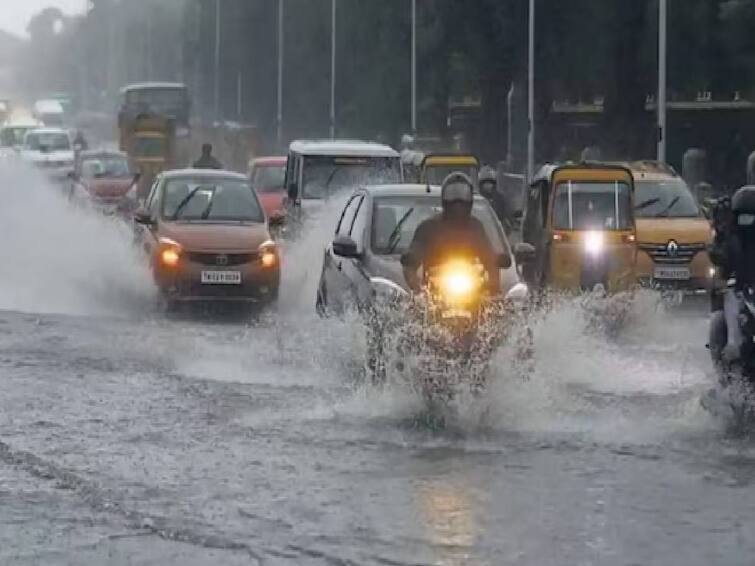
point(743, 209)
point(487, 181)
point(457, 192)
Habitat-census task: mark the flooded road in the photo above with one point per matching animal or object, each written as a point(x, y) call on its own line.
point(129, 438)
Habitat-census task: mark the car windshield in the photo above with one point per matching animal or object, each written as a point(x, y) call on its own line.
point(670, 198)
point(48, 141)
point(324, 176)
point(106, 166)
point(268, 178)
point(436, 174)
point(388, 212)
point(592, 206)
point(210, 199)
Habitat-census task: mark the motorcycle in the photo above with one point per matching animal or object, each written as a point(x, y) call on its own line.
point(735, 371)
point(452, 327)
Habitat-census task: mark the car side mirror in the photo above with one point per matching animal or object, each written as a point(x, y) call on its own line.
point(345, 246)
point(143, 217)
point(524, 253)
point(504, 261)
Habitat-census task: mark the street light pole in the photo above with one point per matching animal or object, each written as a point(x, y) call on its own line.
point(662, 77)
point(280, 72)
point(414, 67)
point(333, 72)
point(217, 61)
point(531, 95)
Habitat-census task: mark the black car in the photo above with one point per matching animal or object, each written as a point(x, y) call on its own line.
point(362, 249)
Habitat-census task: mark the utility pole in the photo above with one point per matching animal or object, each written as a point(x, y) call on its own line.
point(662, 77)
point(414, 67)
point(333, 72)
point(281, 10)
point(531, 96)
point(217, 61)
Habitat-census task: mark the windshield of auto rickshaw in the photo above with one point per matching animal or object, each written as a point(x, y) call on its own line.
point(592, 206)
point(436, 174)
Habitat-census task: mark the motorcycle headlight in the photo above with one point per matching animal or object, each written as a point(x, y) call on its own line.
point(594, 243)
point(459, 282)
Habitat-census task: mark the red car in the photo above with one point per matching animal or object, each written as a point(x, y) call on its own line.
point(103, 179)
point(267, 175)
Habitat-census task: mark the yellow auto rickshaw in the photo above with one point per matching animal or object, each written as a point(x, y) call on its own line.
point(436, 167)
point(580, 220)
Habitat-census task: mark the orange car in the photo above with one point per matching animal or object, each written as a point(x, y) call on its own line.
point(207, 238)
point(267, 175)
point(672, 233)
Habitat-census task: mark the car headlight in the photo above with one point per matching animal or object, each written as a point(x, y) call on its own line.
point(170, 252)
point(268, 254)
point(594, 243)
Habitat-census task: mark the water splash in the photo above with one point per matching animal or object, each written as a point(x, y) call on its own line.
point(59, 259)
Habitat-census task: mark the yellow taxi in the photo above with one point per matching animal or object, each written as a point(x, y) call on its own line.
point(672, 232)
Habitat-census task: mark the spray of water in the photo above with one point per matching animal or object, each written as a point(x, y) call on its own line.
point(59, 259)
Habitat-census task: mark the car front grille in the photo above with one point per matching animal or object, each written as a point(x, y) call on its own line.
point(684, 253)
point(222, 260)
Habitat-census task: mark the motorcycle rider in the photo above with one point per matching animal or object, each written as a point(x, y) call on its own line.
point(207, 160)
point(453, 233)
point(488, 183)
point(733, 251)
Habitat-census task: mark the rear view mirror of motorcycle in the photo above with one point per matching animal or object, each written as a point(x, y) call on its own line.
point(345, 246)
point(524, 252)
point(504, 261)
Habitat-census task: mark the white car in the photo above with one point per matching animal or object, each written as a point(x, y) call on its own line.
point(49, 149)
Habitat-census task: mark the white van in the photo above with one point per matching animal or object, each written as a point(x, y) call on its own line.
point(317, 169)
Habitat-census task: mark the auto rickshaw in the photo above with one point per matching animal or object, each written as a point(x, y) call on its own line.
point(580, 220)
point(437, 166)
point(433, 168)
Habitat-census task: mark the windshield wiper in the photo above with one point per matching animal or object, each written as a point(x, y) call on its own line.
point(395, 236)
point(184, 202)
point(207, 210)
point(671, 205)
point(647, 203)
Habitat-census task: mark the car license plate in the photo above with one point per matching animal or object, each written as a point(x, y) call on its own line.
point(221, 277)
point(672, 272)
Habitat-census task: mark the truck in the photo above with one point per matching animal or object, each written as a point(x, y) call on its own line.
point(149, 140)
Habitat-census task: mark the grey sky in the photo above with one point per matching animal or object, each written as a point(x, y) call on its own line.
point(15, 14)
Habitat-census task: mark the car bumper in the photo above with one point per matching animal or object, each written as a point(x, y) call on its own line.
point(701, 280)
point(184, 283)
